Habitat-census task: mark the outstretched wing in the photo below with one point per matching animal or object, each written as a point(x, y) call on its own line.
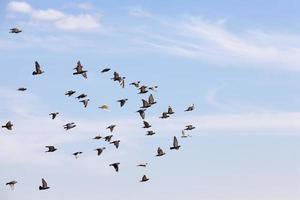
point(37, 66)
point(44, 183)
point(175, 142)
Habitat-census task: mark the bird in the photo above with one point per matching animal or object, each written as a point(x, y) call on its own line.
point(122, 102)
point(190, 108)
point(111, 127)
point(105, 70)
point(142, 165)
point(8, 125)
point(117, 77)
point(154, 88)
point(54, 114)
point(151, 100)
point(145, 104)
point(135, 84)
point(150, 133)
point(142, 113)
point(22, 89)
point(115, 165)
point(184, 135)
point(70, 93)
point(69, 125)
point(104, 107)
point(146, 124)
point(122, 82)
point(85, 102)
point(51, 149)
point(11, 184)
point(108, 138)
point(79, 70)
point(44, 185)
point(37, 69)
point(175, 144)
point(170, 110)
point(76, 154)
point(143, 89)
point(189, 127)
point(81, 96)
point(164, 115)
point(15, 30)
point(116, 143)
point(144, 179)
point(160, 152)
point(97, 137)
point(100, 150)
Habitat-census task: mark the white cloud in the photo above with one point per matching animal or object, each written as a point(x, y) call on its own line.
point(18, 6)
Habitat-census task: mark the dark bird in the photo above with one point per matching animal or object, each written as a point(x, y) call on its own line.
point(44, 185)
point(122, 82)
point(8, 125)
point(142, 165)
point(22, 89)
point(122, 102)
point(145, 104)
point(100, 150)
point(76, 154)
point(81, 96)
point(117, 77)
point(154, 88)
point(151, 100)
point(37, 69)
point(51, 149)
point(97, 137)
point(164, 115)
point(175, 144)
point(54, 114)
point(135, 84)
point(105, 70)
point(70, 93)
point(160, 152)
point(146, 124)
point(85, 102)
point(170, 110)
point(15, 30)
point(111, 127)
point(190, 108)
point(189, 127)
point(79, 70)
point(116, 143)
point(108, 138)
point(143, 89)
point(150, 133)
point(115, 165)
point(142, 113)
point(144, 179)
point(69, 125)
point(11, 184)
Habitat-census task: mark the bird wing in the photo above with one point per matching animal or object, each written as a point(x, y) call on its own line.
point(37, 66)
point(146, 123)
point(78, 67)
point(175, 142)
point(44, 183)
point(145, 103)
point(170, 110)
point(151, 99)
point(84, 75)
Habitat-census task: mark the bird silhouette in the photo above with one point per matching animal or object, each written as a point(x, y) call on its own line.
point(37, 69)
point(15, 30)
point(142, 165)
point(79, 70)
point(142, 113)
point(122, 102)
point(51, 148)
point(115, 165)
point(145, 104)
point(104, 107)
point(116, 143)
point(146, 124)
point(170, 110)
point(150, 133)
point(164, 115)
point(97, 137)
point(70, 93)
point(100, 150)
point(54, 114)
point(175, 144)
point(22, 89)
point(85, 102)
point(189, 127)
point(151, 100)
point(44, 185)
point(8, 125)
point(76, 154)
point(160, 152)
point(190, 108)
point(108, 138)
point(144, 179)
point(12, 184)
point(111, 127)
point(143, 89)
point(135, 84)
point(81, 96)
point(105, 70)
point(69, 125)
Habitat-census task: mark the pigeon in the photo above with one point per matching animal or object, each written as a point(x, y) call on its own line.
point(145, 104)
point(170, 110)
point(76, 154)
point(70, 93)
point(51, 149)
point(115, 165)
point(144, 179)
point(116, 143)
point(15, 30)
point(22, 89)
point(184, 135)
point(160, 152)
point(98, 137)
point(151, 100)
point(142, 165)
point(81, 96)
point(142, 113)
point(135, 84)
point(175, 144)
point(111, 127)
point(105, 70)
point(79, 70)
point(8, 125)
point(108, 138)
point(164, 115)
point(85, 102)
point(100, 150)
point(11, 184)
point(54, 114)
point(190, 108)
point(143, 89)
point(37, 69)
point(146, 124)
point(69, 125)
point(150, 133)
point(44, 185)
point(154, 88)
point(104, 107)
point(189, 127)
point(117, 77)
point(122, 102)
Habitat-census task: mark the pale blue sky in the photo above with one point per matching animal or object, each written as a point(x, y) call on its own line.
point(237, 61)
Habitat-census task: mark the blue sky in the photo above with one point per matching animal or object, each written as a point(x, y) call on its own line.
point(237, 61)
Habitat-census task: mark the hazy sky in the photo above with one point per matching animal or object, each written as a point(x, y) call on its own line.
point(237, 61)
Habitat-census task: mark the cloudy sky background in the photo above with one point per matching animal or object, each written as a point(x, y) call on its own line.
point(237, 61)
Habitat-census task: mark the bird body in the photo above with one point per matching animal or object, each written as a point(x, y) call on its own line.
point(111, 127)
point(142, 165)
point(146, 124)
point(189, 127)
point(104, 107)
point(160, 152)
point(54, 114)
point(22, 89)
point(100, 150)
point(164, 115)
point(85, 102)
point(144, 179)
point(44, 185)
point(108, 138)
point(76, 154)
point(170, 110)
point(122, 102)
point(70, 93)
point(51, 148)
point(135, 84)
point(81, 96)
point(142, 113)
point(8, 125)
point(145, 104)
point(116, 143)
point(143, 89)
point(175, 144)
point(11, 184)
point(15, 30)
point(150, 133)
point(69, 126)
point(151, 100)
point(115, 165)
point(190, 108)
point(79, 70)
point(37, 69)
point(105, 70)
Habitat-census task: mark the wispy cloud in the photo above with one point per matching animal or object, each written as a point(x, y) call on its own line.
point(138, 11)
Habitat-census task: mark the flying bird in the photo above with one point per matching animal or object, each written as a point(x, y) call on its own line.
point(69, 125)
point(135, 84)
point(108, 138)
point(142, 113)
point(143, 89)
point(146, 125)
point(79, 70)
point(154, 88)
point(104, 107)
point(142, 165)
point(189, 127)
point(144, 179)
point(76, 154)
point(151, 100)
point(164, 115)
point(122, 102)
point(175, 144)
point(51, 149)
point(100, 150)
point(85, 102)
point(116, 143)
point(105, 70)
point(44, 185)
point(111, 127)
point(145, 104)
point(15, 30)
point(190, 108)
point(160, 152)
point(8, 125)
point(97, 137)
point(37, 69)
point(170, 110)
point(115, 165)
point(54, 114)
point(22, 89)
point(184, 135)
point(70, 93)
point(81, 96)
point(150, 133)
point(11, 184)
